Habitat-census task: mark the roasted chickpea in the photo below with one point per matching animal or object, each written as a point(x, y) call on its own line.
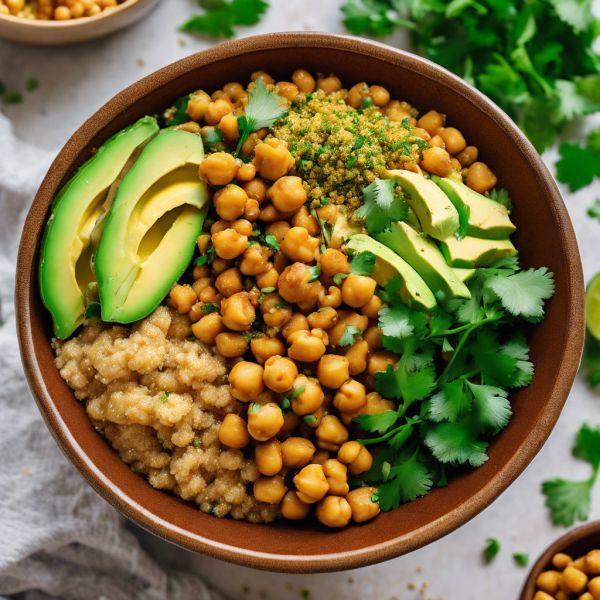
point(310, 399)
point(379, 95)
point(297, 452)
point(591, 562)
point(197, 105)
point(305, 346)
point(293, 508)
point(280, 373)
point(287, 90)
point(324, 318)
point(208, 328)
point(298, 322)
point(246, 381)
point(216, 110)
point(294, 286)
point(437, 142)
point(303, 218)
point(356, 94)
point(268, 457)
point(373, 337)
point(311, 484)
point(287, 193)
point(594, 587)
point(230, 344)
point(480, 178)
point(265, 347)
point(237, 312)
point(268, 279)
point(218, 168)
point(357, 357)
point(267, 79)
point(431, 122)
point(357, 290)
point(255, 260)
point(272, 159)
point(278, 229)
point(234, 90)
point(437, 161)
point(249, 146)
point(190, 127)
point(252, 210)
point(274, 314)
point(362, 505)
point(203, 243)
point(230, 282)
point(574, 580)
point(230, 201)
point(256, 189)
point(331, 300)
point(398, 113)
point(220, 264)
point(270, 489)
point(379, 361)
point(329, 85)
point(201, 272)
point(291, 422)
point(229, 244)
point(196, 312)
point(334, 511)
point(337, 477)
point(372, 307)
point(304, 81)
point(229, 128)
point(331, 433)
point(560, 561)
point(183, 298)
point(234, 432)
point(356, 456)
point(333, 262)
point(454, 140)
point(320, 457)
point(350, 397)
point(468, 156)
point(299, 246)
point(333, 371)
point(264, 422)
point(539, 595)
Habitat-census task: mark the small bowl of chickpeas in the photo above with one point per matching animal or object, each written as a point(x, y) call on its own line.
point(62, 22)
point(569, 569)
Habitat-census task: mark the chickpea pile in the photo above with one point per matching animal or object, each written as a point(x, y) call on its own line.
point(572, 578)
point(265, 297)
point(59, 10)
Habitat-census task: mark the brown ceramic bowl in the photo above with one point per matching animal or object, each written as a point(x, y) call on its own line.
point(576, 543)
point(59, 33)
point(544, 236)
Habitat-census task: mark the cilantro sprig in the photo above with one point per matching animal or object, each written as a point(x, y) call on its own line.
point(382, 205)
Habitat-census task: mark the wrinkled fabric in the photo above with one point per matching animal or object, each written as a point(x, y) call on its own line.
point(58, 538)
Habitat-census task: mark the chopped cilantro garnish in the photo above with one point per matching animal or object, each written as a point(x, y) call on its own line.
point(271, 242)
point(594, 210)
point(280, 305)
point(197, 443)
point(267, 290)
point(308, 419)
point(349, 337)
point(255, 408)
point(521, 559)
point(209, 308)
point(165, 397)
point(367, 102)
point(201, 260)
point(315, 273)
point(363, 263)
point(381, 207)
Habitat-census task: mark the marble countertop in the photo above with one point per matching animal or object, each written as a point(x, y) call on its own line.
point(73, 84)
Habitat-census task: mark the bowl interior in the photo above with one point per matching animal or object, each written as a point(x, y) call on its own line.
point(544, 238)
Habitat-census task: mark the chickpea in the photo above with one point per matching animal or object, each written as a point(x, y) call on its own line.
point(230, 344)
point(294, 286)
point(237, 312)
point(362, 505)
point(594, 587)
point(549, 582)
point(334, 511)
point(337, 477)
point(468, 156)
point(333, 371)
point(311, 484)
point(329, 85)
point(208, 328)
point(331, 300)
point(280, 373)
point(229, 282)
point(357, 290)
point(287, 193)
point(437, 161)
point(229, 128)
point(252, 210)
point(320, 457)
point(218, 168)
point(256, 260)
point(454, 140)
point(217, 110)
point(539, 595)
point(579, 564)
point(305, 346)
point(246, 173)
point(220, 95)
point(357, 356)
point(574, 580)
point(190, 126)
point(265, 347)
point(310, 399)
point(230, 202)
point(586, 596)
point(267, 79)
point(270, 489)
point(264, 422)
point(299, 246)
point(203, 242)
point(234, 90)
point(267, 280)
point(356, 456)
point(323, 318)
point(372, 307)
point(201, 272)
point(234, 432)
point(197, 105)
point(280, 262)
point(220, 264)
point(272, 159)
point(380, 360)
point(303, 218)
point(350, 397)
point(256, 189)
point(331, 433)
point(287, 90)
point(356, 94)
point(249, 146)
point(437, 142)
point(480, 178)
point(246, 381)
point(298, 322)
point(291, 422)
point(592, 562)
point(183, 298)
point(273, 316)
point(297, 452)
point(209, 295)
point(268, 457)
point(431, 122)
point(278, 229)
point(379, 95)
point(560, 561)
point(293, 508)
point(333, 262)
point(373, 337)
point(304, 81)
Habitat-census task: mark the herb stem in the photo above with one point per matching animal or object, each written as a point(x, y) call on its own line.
point(467, 326)
point(459, 347)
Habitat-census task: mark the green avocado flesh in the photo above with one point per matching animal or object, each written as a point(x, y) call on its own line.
point(464, 274)
point(414, 292)
point(151, 230)
point(422, 254)
point(65, 263)
point(435, 212)
point(473, 252)
point(487, 219)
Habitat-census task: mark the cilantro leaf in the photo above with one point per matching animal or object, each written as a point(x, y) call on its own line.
point(491, 550)
point(578, 166)
point(501, 196)
point(411, 479)
point(402, 384)
point(587, 444)
point(379, 422)
point(491, 409)
point(594, 210)
point(455, 443)
point(93, 310)
point(451, 402)
point(349, 337)
point(577, 13)
point(496, 366)
point(271, 242)
point(363, 263)
point(521, 559)
point(381, 207)
point(399, 323)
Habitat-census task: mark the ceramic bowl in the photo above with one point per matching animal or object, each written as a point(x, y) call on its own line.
point(575, 543)
point(60, 33)
point(544, 237)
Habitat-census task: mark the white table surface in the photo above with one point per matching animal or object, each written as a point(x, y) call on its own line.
point(73, 83)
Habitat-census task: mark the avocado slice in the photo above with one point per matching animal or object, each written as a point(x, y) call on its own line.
point(65, 269)
point(414, 292)
point(464, 274)
point(152, 226)
point(436, 213)
point(473, 252)
point(421, 253)
point(487, 219)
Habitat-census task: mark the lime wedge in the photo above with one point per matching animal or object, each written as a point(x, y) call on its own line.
point(592, 307)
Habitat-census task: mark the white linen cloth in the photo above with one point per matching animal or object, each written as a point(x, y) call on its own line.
point(58, 538)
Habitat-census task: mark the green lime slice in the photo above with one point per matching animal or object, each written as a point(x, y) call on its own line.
point(592, 307)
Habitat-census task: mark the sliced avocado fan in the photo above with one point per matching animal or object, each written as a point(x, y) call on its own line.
point(65, 269)
point(472, 252)
point(415, 292)
point(152, 226)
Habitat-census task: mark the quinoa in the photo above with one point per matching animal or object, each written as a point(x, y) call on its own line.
point(340, 150)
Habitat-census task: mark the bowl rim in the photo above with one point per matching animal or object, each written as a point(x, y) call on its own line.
point(71, 23)
point(571, 537)
point(391, 548)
